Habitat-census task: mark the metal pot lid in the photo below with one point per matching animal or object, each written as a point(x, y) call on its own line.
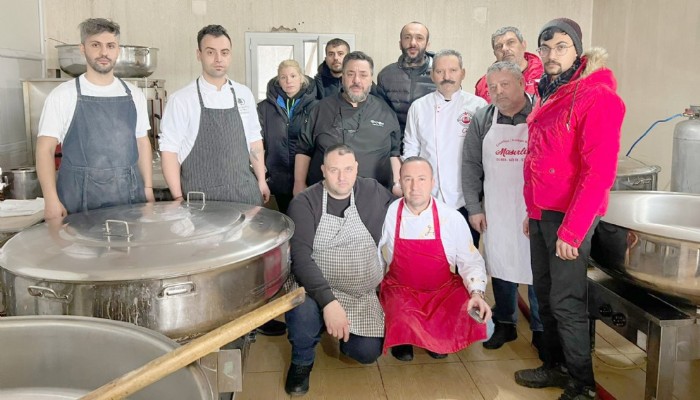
point(627, 166)
point(145, 241)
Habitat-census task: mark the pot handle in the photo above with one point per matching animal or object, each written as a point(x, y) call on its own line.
point(108, 232)
point(204, 197)
point(41, 291)
point(177, 289)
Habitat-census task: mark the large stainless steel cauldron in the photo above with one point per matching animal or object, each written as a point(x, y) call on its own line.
point(182, 269)
point(133, 61)
point(652, 239)
point(65, 357)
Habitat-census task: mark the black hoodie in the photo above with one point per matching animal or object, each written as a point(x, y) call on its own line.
point(280, 134)
point(326, 83)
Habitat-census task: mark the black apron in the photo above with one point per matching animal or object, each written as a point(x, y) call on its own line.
point(219, 162)
point(99, 167)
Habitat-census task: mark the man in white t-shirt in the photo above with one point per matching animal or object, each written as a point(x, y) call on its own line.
point(101, 122)
point(436, 126)
point(211, 132)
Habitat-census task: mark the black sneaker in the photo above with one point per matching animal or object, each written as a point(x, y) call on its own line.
point(577, 392)
point(437, 356)
point(542, 377)
point(403, 352)
point(272, 328)
point(503, 333)
point(297, 383)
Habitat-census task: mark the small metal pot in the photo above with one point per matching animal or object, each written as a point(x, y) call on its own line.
point(24, 184)
point(133, 61)
point(635, 175)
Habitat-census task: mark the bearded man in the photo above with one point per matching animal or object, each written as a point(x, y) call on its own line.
point(356, 118)
point(408, 79)
point(101, 123)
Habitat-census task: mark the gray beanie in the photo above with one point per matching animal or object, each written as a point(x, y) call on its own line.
point(570, 27)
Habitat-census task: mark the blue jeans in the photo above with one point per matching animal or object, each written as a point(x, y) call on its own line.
point(305, 325)
point(506, 310)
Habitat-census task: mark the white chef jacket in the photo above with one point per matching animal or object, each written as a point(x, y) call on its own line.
point(454, 232)
point(435, 130)
point(180, 124)
point(60, 104)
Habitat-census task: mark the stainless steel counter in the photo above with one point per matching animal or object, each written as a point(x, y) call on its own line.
point(666, 330)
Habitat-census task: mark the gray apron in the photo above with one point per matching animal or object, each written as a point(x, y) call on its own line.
point(346, 253)
point(219, 162)
point(99, 167)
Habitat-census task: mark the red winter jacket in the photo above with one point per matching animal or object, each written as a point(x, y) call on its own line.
point(532, 75)
point(574, 138)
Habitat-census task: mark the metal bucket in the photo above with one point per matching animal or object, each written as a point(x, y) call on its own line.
point(635, 175)
point(24, 184)
point(65, 357)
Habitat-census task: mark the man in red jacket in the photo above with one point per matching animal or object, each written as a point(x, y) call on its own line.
point(569, 169)
point(508, 45)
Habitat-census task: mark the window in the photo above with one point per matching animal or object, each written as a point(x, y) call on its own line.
point(267, 50)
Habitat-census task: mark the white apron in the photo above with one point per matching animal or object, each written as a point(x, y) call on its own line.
point(507, 249)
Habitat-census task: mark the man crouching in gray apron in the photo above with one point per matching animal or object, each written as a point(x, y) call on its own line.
point(211, 132)
point(338, 224)
point(101, 122)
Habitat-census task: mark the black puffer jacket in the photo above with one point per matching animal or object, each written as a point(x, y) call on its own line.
point(326, 84)
point(280, 135)
point(400, 86)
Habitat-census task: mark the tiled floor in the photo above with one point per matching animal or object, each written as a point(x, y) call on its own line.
point(473, 373)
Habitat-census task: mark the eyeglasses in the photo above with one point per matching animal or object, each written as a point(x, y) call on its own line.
point(559, 49)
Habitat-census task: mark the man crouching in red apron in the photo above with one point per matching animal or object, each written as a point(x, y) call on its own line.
point(425, 302)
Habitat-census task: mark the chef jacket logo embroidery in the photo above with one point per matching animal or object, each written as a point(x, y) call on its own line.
point(429, 233)
point(241, 102)
point(376, 123)
point(465, 119)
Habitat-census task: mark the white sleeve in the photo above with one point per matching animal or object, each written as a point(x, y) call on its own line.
point(173, 125)
point(411, 143)
point(142, 122)
point(57, 113)
point(385, 249)
point(467, 258)
point(251, 122)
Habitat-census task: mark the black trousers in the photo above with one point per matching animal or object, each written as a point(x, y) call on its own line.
point(475, 234)
point(562, 290)
point(283, 200)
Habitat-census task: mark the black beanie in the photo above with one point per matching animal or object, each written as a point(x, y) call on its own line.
point(570, 27)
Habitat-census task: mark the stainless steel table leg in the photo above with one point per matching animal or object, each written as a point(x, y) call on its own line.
point(661, 358)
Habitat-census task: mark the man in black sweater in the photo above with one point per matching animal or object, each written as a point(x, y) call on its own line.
point(338, 223)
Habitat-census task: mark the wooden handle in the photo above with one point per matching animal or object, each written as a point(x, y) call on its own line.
point(184, 355)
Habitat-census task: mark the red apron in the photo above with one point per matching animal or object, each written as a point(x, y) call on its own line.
point(425, 304)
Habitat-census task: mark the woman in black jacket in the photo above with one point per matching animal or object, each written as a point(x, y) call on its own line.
point(283, 114)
